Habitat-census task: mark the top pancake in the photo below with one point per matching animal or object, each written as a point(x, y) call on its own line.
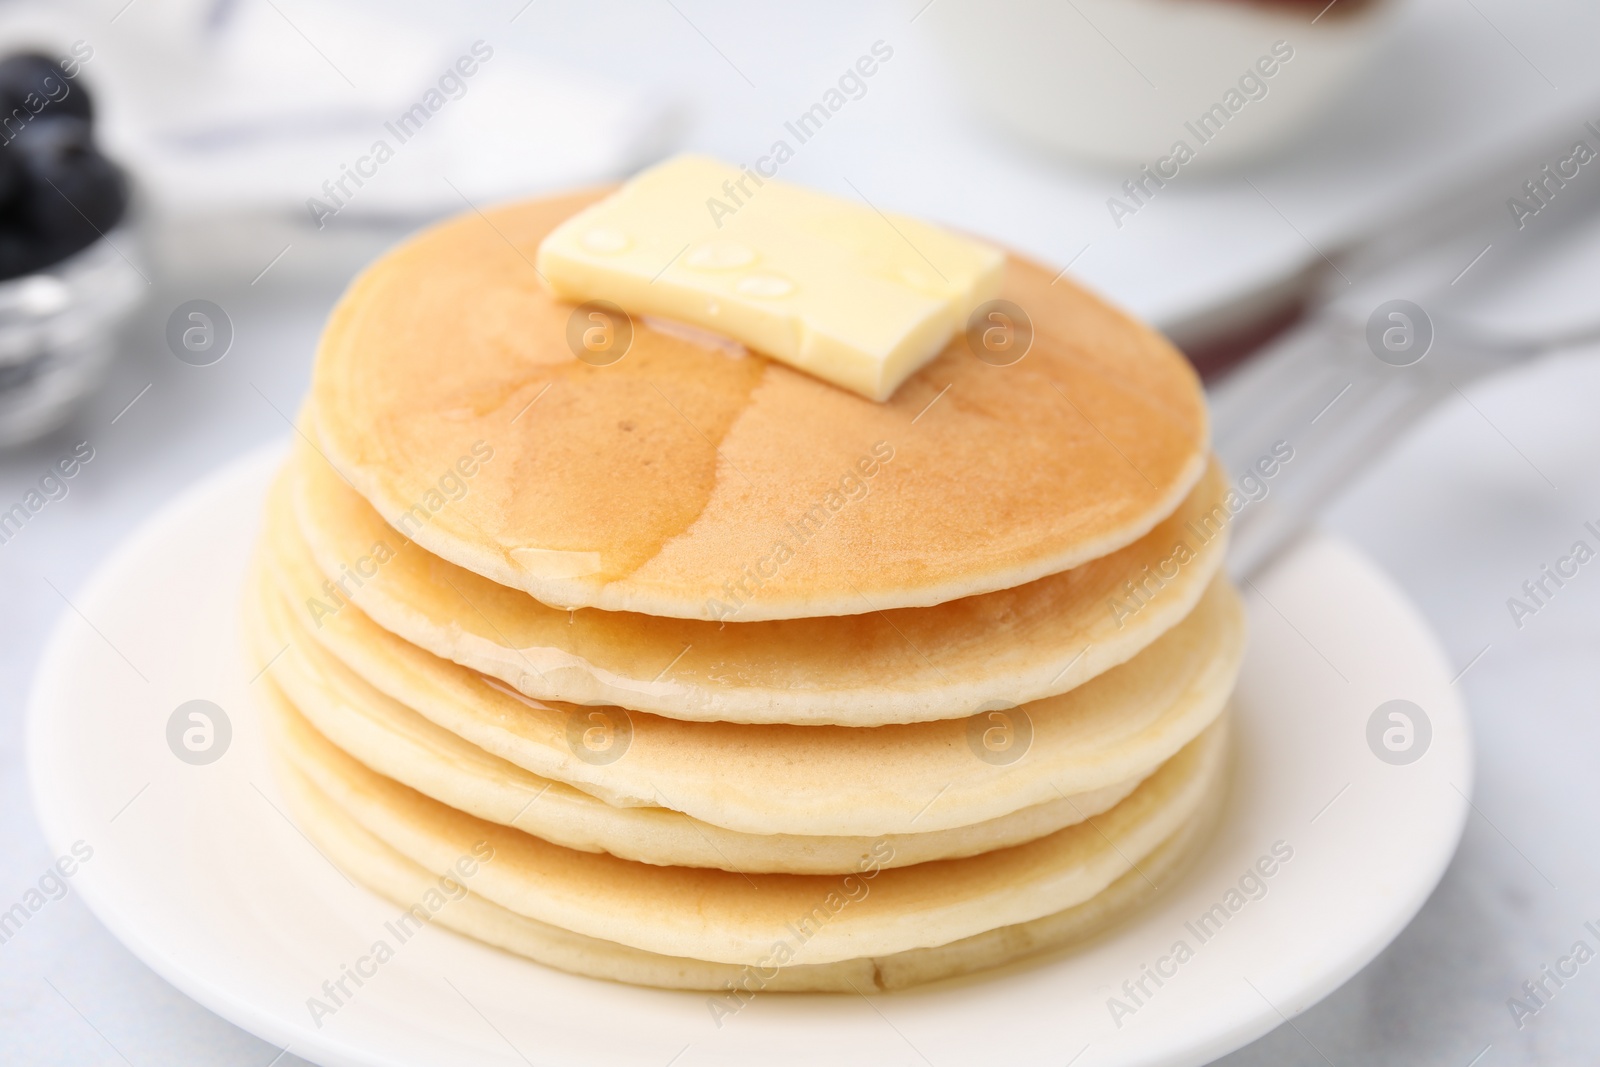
point(685, 481)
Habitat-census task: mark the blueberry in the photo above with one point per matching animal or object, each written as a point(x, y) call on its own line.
point(12, 176)
point(70, 194)
point(33, 85)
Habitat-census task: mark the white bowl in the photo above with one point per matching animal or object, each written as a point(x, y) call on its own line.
point(1122, 81)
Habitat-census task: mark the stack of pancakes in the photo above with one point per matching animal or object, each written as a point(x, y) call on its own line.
point(695, 671)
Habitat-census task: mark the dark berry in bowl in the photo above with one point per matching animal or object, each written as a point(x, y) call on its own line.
point(12, 177)
point(69, 193)
point(33, 84)
point(19, 251)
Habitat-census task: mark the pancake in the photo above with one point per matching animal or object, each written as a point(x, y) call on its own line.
point(729, 917)
point(391, 875)
point(689, 481)
point(333, 712)
point(904, 665)
point(824, 780)
point(402, 745)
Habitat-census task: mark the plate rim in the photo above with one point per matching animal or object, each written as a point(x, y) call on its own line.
point(328, 1047)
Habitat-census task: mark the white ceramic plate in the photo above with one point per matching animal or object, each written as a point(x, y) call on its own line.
point(197, 869)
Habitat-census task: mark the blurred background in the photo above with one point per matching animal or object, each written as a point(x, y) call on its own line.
point(186, 186)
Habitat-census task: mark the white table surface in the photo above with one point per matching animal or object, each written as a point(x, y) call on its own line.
point(1461, 513)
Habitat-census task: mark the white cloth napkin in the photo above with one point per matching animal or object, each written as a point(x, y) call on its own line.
point(269, 105)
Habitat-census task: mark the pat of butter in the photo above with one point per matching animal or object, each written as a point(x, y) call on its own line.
point(827, 285)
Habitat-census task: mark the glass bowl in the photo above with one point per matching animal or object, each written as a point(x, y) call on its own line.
point(58, 331)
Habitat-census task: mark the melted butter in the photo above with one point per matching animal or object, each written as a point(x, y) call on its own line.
point(697, 335)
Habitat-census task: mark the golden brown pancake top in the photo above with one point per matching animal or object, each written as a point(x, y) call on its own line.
point(684, 481)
